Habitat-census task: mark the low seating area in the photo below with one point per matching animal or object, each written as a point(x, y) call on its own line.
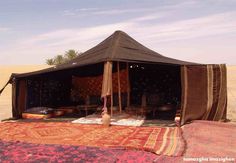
point(65, 111)
point(45, 112)
point(38, 113)
point(86, 110)
point(35, 116)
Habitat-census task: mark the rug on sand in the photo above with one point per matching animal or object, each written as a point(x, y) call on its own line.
point(165, 141)
point(27, 152)
point(210, 139)
point(117, 119)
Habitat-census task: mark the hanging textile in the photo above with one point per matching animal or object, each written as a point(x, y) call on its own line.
point(107, 79)
point(204, 93)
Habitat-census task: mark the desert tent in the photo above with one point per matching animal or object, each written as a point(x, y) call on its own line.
point(203, 86)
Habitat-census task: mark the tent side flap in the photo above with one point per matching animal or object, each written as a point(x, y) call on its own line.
point(22, 96)
point(19, 97)
point(14, 99)
point(204, 92)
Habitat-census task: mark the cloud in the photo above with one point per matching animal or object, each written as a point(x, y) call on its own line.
point(147, 25)
point(142, 28)
point(49, 44)
point(103, 11)
point(206, 26)
point(4, 29)
point(150, 17)
point(87, 9)
point(120, 11)
point(74, 36)
point(68, 13)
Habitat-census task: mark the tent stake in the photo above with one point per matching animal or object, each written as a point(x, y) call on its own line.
point(119, 92)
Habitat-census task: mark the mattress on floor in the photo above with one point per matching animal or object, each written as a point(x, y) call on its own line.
point(36, 116)
point(38, 113)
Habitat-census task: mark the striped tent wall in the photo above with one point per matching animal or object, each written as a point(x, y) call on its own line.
point(204, 92)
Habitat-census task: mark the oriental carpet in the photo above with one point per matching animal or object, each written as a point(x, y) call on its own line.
point(158, 140)
point(11, 151)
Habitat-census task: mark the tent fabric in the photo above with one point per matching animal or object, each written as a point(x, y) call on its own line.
point(204, 93)
point(15, 111)
point(107, 79)
point(121, 47)
point(117, 47)
point(19, 97)
point(219, 104)
point(22, 96)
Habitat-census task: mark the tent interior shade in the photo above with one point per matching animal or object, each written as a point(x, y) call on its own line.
point(159, 83)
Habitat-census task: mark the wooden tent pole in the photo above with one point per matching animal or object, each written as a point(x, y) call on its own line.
point(128, 85)
point(111, 95)
point(119, 92)
point(40, 93)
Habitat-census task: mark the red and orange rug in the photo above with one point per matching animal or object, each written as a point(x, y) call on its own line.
point(164, 141)
point(29, 152)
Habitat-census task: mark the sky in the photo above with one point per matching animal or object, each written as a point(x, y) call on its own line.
point(202, 31)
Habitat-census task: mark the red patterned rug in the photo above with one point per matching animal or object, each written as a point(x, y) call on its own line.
point(165, 141)
point(28, 152)
point(210, 139)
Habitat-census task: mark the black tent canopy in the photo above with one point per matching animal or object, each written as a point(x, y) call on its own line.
point(117, 47)
point(203, 87)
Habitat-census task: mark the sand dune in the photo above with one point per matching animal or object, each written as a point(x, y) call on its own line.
point(5, 98)
point(231, 84)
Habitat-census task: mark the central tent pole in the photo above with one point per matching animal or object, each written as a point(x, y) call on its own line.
point(119, 92)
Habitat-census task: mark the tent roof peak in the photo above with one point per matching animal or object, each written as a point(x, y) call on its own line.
point(117, 47)
point(119, 31)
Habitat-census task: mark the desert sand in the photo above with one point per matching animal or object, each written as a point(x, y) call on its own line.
point(5, 98)
point(231, 84)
